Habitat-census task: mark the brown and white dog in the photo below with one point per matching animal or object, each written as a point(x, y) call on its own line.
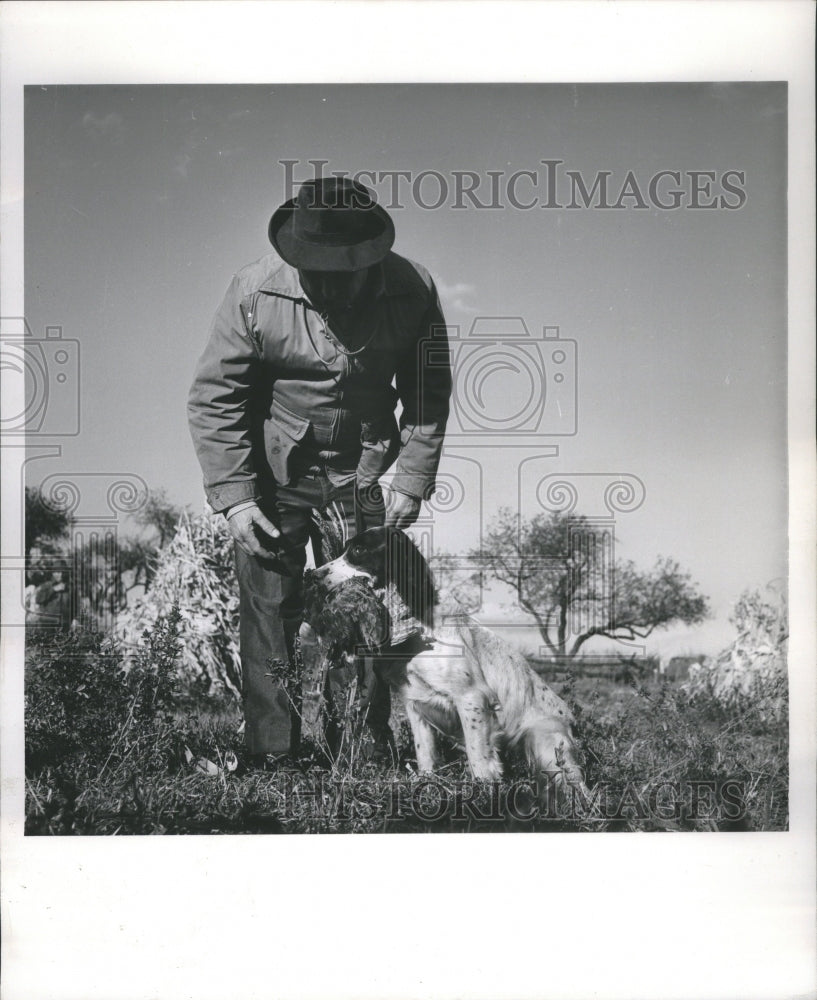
point(460, 679)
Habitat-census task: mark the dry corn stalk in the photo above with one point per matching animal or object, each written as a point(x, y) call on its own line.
point(752, 669)
point(195, 571)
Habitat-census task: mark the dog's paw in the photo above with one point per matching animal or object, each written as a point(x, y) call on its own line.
point(487, 770)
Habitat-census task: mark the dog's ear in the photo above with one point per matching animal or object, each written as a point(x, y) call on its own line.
point(408, 570)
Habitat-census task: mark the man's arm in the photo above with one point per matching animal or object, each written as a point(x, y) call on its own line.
point(424, 387)
point(219, 414)
point(218, 406)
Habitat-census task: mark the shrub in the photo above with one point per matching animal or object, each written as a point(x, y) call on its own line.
point(82, 705)
point(659, 735)
point(76, 696)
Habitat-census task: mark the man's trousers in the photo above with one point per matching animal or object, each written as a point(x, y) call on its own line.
point(271, 610)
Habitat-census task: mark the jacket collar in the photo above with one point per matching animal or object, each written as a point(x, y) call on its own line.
point(284, 281)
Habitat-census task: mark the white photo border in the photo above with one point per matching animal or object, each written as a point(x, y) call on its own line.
point(566, 916)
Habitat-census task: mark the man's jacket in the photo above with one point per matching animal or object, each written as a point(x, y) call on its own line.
point(275, 392)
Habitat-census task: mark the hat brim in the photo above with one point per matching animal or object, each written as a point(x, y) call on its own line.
point(313, 257)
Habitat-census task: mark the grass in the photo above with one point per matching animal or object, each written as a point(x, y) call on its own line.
point(117, 751)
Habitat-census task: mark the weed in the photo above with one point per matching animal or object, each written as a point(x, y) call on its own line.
point(109, 746)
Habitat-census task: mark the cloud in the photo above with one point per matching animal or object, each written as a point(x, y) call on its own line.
point(456, 296)
point(110, 126)
point(181, 164)
point(231, 152)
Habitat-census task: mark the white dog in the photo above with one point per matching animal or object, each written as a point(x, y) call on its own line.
point(461, 679)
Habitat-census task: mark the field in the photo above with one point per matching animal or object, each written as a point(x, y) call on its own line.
point(114, 751)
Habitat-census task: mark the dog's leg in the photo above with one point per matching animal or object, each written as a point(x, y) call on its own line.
point(552, 753)
point(425, 742)
point(481, 730)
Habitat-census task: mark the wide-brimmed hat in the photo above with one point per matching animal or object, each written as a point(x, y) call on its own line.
point(332, 224)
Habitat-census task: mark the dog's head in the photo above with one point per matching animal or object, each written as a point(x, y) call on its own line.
point(385, 556)
point(350, 619)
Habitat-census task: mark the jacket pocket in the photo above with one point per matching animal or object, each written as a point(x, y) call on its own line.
point(283, 432)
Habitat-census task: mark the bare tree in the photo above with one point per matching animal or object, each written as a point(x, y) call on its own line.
point(561, 571)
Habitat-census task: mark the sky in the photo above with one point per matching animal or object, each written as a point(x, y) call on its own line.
point(141, 202)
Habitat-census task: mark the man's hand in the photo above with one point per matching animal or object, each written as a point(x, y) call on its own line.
point(242, 526)
point(401, 509)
